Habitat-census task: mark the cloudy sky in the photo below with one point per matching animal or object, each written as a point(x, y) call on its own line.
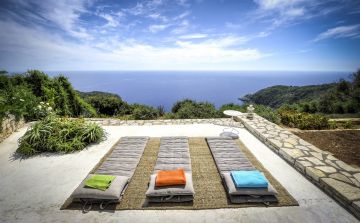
point(54, 35)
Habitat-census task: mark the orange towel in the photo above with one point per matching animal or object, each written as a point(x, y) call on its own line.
point(170, 178)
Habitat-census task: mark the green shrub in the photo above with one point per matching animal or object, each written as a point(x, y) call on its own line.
point(303, 120)
point(108, 105)
point(19, 101)
point(20, 95)
point(161, 110)
point(232, 106)
point(144, 112)
point(189, 110)
point(169, 115)
point(54, 134)
point(267, 113)
point(179, 104)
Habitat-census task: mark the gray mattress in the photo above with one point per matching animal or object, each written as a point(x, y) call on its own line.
point(125, 157)
point(173, 154)
point(121, 163)
point(228, 157)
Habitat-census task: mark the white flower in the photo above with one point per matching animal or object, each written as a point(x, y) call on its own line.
point(41, 103)
point(47, 104)
point(39, 106)
point(22, 99)
point(49, 108)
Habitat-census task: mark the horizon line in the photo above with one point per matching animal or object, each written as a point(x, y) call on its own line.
point(347, 71)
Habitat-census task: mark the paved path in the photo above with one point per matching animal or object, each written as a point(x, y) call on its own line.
point(338, 179)
point(33, 190)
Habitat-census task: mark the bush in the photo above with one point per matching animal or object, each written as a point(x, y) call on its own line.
point(54, 134)
point(267, 113)
point(144, 112)
point(303, 120)
point(20, 95)
point(232, 106)
point(42, 110)
point(109, 105)
point(181, 103)
point(19, 101)
point(189, 109)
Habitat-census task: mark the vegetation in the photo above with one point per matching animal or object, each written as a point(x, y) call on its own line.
point(232, 106)
point(278, 95)
point(54, 134)
point(341, 97)
point(267, 113)
point(188, 109)
point(107, 104)
point(144, 112)
point(25, 94)
point(34, 96)
point(302, 120)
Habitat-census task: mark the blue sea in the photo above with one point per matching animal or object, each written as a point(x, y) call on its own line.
point(166, 87)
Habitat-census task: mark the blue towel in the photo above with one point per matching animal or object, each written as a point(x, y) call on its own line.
point(249, 179)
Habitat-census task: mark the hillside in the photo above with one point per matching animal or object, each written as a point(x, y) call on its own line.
point(278, 95)
point(97, 93)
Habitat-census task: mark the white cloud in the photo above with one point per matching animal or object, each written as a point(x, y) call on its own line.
point(157, 28)
point(295, 12)
point(38, 49)
point(183, 3)
point(279, 13)
point(112, 21)
point(182, 15)
point(181, 28)
point(64, 14)
point(158, 16)
point(194, 36)
point(351, 31)
point(231, 25)
point(262, 34)
point(273, 4)
point(144, 8)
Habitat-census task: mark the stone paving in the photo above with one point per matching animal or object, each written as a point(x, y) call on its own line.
point(339, 180)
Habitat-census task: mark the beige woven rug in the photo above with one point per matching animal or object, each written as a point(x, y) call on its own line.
point(208, 186)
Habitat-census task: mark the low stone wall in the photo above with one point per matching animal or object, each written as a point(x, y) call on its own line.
point(336, 178)
point(10, 125)
point(215, 121)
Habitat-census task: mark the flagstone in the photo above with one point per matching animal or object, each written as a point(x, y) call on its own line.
point(314, 173)
point(326, 169)
point(341, 177)
point(346, 167)
point(350, 193)
point(315, 160)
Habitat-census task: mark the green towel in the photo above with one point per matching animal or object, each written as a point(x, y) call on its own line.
point(101, 182)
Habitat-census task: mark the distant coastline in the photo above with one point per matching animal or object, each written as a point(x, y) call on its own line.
point(164, 88)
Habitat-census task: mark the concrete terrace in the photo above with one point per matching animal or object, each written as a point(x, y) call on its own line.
point(33, 190)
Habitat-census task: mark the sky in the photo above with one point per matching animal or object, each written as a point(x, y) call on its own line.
point(71, 35)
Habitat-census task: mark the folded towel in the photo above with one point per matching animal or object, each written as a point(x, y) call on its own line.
point(100, 182)
point(170, 178)
point(249, 179)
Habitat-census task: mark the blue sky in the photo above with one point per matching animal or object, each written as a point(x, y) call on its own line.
point(65, 35)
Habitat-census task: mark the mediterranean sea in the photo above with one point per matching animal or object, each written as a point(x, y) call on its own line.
point(166, 87)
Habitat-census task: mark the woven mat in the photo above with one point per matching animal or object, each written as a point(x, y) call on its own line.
point(209, 190)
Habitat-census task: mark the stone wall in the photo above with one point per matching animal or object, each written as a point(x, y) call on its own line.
point(216, 121)
point(336, 178)
point(10, 125)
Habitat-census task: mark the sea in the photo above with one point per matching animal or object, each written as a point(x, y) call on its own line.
point(164, 88)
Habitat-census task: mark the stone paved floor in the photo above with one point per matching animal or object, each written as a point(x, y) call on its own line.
point(335, 177)
point(23, 199)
